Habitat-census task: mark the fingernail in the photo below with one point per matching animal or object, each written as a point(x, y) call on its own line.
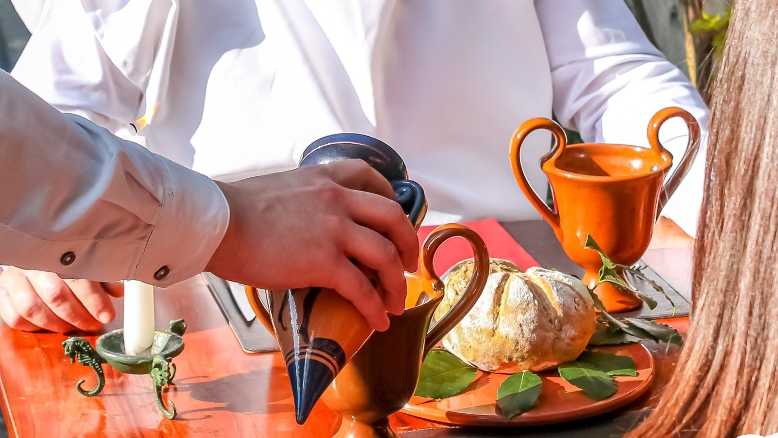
point(105, 317)
point(384, 326)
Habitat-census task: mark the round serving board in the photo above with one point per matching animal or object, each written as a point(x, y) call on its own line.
point(559, 401)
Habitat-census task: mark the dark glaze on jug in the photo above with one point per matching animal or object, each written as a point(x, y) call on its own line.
point(317, 330)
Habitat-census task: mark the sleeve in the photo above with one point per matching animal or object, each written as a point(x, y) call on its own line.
point(97, 58)
point(78, 201)
point(609, 80)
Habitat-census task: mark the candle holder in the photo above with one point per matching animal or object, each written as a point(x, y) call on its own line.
point(156, 361)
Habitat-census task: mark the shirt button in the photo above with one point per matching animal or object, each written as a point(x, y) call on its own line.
point(68, 258)
point(161, 273)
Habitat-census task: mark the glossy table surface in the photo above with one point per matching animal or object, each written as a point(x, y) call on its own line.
point(221, 391)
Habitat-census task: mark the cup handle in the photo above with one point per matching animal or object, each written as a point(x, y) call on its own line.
point(411, 197)
point(252, 294)
point(692, 146)
point(551, 216)
point(474, 287)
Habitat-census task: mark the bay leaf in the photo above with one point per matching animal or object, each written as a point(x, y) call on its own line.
point(611, 272)
point(618, 280)
point(613, 331)
point(596, 301)
point(444, 375)
point(592, 244)
point(518, 393)
point(612, 364)
point(636, 274)
point(658, 332)
point(614, 278)
point(596, 384)
point(604, 335)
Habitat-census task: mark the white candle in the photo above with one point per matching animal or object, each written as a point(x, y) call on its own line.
point(138, 316)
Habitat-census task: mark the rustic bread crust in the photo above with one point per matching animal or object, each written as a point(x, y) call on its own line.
point(523, 321)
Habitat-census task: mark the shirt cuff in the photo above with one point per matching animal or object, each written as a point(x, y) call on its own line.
point(191, 224)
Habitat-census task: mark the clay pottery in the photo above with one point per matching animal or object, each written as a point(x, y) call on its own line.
point(317, 330)
point(612, 192)
point(378, 155)
point(382, 376)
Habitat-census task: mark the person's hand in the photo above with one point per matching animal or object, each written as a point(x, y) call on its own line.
point(36, 300)
point(329, 226)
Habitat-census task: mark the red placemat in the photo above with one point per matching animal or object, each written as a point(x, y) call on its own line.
point(498, 241)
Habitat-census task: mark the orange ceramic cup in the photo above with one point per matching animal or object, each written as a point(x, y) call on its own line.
point(612, 192)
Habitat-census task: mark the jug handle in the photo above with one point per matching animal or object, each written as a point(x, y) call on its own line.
point(474, 287)
point(410, 195)
point(692, 146)
point(551, 216)
point(252, 294)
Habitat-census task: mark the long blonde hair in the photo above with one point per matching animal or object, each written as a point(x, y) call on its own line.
point(726, 383)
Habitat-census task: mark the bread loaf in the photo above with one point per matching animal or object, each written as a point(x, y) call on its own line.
point(523, 320)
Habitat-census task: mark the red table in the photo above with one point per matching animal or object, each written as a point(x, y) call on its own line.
point(220, 391)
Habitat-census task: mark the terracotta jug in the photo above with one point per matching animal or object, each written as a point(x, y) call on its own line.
point(382, 376)
point(609, 191)
point(317, 330)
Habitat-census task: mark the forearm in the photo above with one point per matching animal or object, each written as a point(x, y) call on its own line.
point(81, 202)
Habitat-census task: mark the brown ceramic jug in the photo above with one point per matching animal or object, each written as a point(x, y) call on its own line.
point(609, 191)
point(317, 330)
point(382, 376)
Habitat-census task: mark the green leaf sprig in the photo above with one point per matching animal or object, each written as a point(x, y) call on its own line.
point(596, 384)
point(593, 372)
point(444, 375)
point(636, 272)
point(613, 273)
point(612, 364)
point(613, 331)
point(518, 393)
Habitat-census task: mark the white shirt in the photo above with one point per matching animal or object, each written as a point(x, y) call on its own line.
point(81, 202)
point(235, 89)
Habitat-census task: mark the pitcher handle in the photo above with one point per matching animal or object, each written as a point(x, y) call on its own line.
point(410, 195)
point(692, 146)
point(474, 287)
point(551, 216)
point(252, 294)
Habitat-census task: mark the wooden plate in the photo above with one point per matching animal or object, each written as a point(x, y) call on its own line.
point(559, 402)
